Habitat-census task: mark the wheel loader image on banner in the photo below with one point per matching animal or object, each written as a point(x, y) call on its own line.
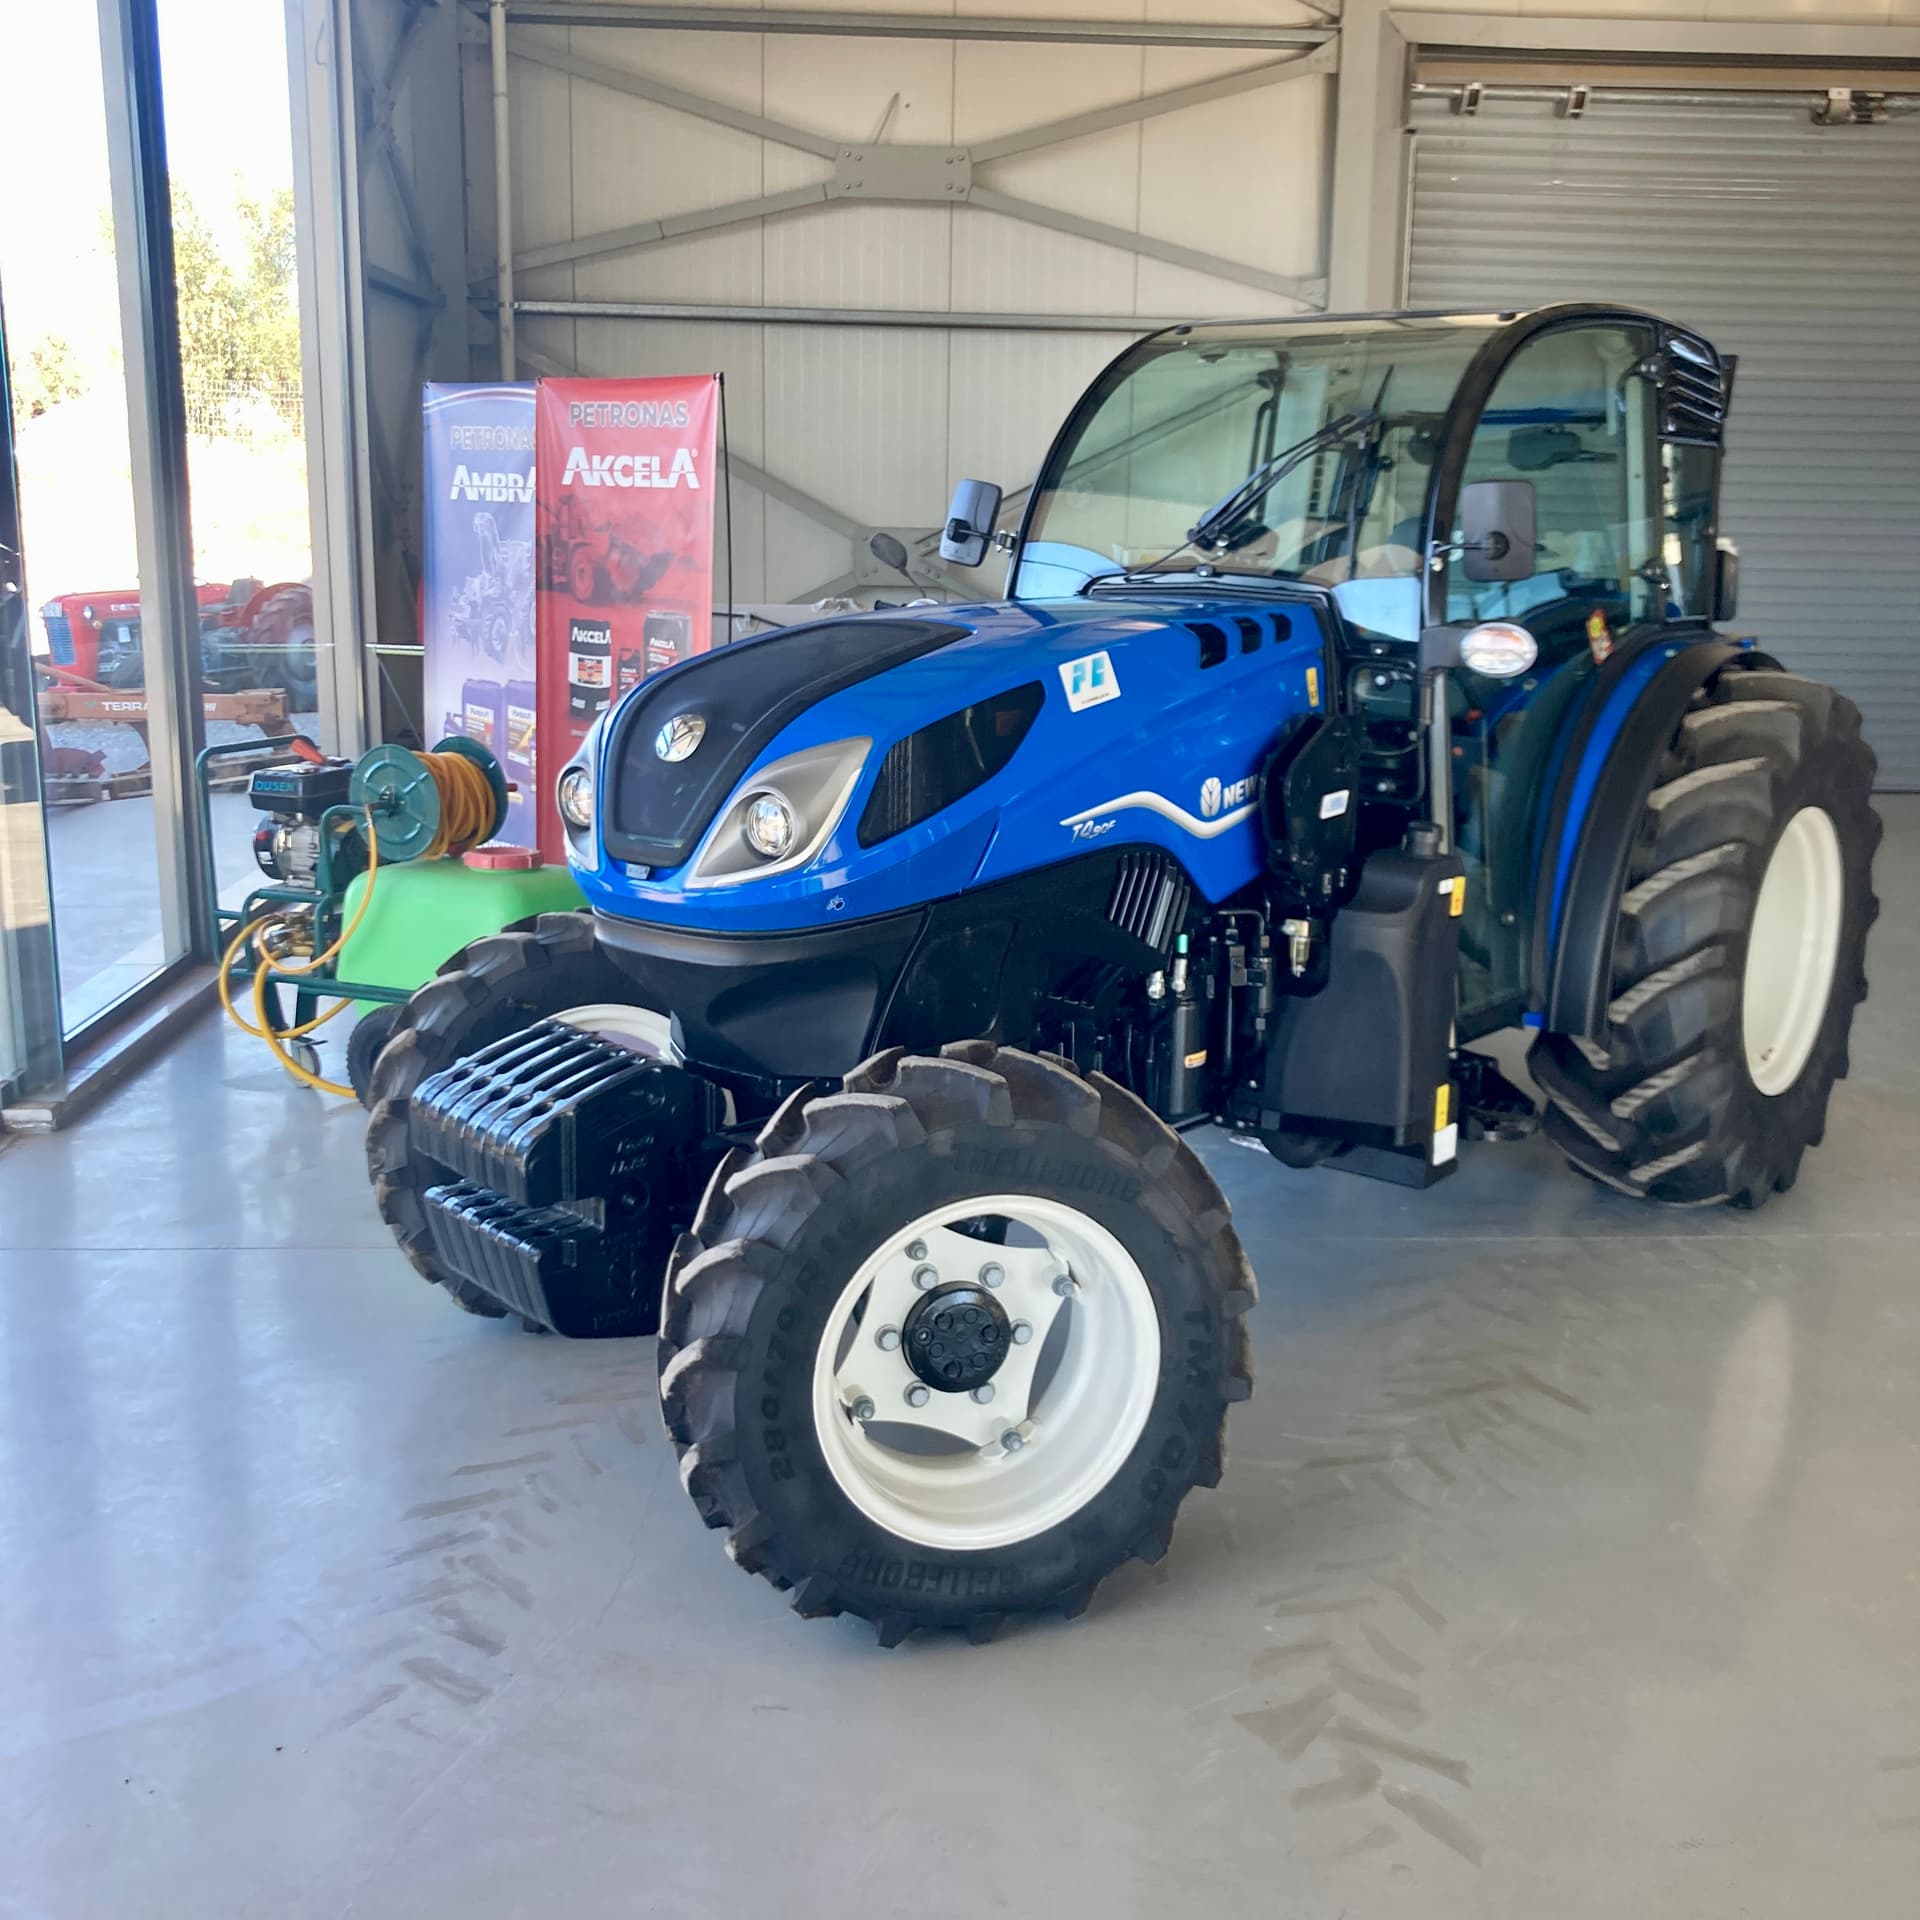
point(1363, 688)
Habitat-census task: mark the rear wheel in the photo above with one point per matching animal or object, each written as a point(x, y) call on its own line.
point(1739, 953)
point(549, 970)
point(955, 1342)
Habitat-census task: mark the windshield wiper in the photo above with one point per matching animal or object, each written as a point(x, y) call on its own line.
point(1225, 513)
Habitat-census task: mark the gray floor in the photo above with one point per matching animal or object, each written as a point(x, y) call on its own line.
point(1568, 1563)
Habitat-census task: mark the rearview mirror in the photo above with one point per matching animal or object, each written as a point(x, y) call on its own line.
point(1726, 580)
point(969, 528)
point(1497, 530)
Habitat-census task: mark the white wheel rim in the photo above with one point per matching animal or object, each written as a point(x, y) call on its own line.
point(640, 1027)
point(1074, 1393)
point(1791, 951)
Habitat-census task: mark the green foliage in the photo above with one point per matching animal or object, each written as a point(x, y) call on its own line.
point(239, 319)
point(53, 372)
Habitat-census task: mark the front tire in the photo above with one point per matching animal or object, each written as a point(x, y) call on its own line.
point(955, 1200)
point(1739, 954)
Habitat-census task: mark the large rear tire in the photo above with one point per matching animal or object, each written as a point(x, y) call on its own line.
point(1739, 953)
point(955, 1342)
point(487, 991)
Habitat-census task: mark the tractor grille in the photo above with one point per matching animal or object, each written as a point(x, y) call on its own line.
point(1149, 898)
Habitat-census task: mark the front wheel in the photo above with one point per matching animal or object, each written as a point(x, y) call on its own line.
point(955, 1342)
point(1739, 953)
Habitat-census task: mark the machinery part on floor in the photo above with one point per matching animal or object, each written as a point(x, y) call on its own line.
point(1739, 953)
point(987, 1186)
point(1492, 1107)
point(497, 987)
point(1405, 744)
point(325, 819)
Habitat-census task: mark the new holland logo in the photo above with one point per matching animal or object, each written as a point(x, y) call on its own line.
point(679, 737)
point(1089, 681)
point(1213, 796)
point(628, 469)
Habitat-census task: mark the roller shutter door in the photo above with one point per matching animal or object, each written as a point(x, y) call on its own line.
point(1794, 246)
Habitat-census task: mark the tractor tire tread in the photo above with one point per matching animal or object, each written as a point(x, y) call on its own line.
point(1660, 1105)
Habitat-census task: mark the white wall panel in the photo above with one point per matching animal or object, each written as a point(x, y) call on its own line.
point(878, 422)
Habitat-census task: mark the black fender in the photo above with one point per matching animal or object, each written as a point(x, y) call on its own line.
point(1637, 702)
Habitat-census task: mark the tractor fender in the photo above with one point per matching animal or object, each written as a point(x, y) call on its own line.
point(1606, 778)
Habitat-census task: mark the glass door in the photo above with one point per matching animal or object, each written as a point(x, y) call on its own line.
point(29, 997)
point(75, 344)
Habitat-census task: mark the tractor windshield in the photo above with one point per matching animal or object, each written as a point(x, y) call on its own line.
point(1282, 451)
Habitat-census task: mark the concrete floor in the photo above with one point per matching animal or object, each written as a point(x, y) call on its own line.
point(1568, 1563)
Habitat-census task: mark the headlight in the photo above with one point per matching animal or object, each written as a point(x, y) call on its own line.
point(767, 825)
point(574, 796)
point(781, 817)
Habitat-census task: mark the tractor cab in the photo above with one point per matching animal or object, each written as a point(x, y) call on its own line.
point(1427, 475)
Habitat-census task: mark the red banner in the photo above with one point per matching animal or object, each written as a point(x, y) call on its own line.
point(626, 483)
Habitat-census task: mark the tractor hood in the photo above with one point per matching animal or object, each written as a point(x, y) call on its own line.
point(928, 728)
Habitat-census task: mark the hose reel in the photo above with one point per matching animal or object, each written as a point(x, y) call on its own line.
point(425, 805)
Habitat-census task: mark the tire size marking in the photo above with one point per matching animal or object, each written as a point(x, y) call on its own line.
point(894, 1575)
point(999, 1162)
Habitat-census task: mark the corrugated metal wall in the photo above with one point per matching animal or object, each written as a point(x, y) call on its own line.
point(1794, 246)
point(879, 422)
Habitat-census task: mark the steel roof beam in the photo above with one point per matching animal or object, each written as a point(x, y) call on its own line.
point(911, 26)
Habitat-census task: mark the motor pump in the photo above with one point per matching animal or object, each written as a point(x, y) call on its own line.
point(294, 794)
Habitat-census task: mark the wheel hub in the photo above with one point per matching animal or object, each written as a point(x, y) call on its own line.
point(956, 1337)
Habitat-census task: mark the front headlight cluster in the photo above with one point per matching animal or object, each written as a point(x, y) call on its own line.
point(782, 817)
point(573, 791)
point(574, 796)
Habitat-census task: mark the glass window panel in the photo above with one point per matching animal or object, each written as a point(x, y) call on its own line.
point(66, 361)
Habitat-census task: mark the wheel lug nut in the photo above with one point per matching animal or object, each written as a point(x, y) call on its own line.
point(917, 1395)
point(991, 1275)
point(984, 1392)
point(1011, 1441)
point(917, 1250)
point(1022, 1333)
point(925, 1277)
point(887, 1339)
point(1064, 1286)
point(862, 1410)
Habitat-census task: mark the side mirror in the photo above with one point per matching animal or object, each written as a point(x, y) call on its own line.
point(969, 528)
point(1726, 579)
point(1497, 530)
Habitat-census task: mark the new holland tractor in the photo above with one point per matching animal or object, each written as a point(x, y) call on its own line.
point(1362, 688)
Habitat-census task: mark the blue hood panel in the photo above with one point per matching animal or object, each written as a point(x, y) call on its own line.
point(1136, 743)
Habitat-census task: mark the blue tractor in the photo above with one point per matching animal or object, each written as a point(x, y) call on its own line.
point(1362, 689)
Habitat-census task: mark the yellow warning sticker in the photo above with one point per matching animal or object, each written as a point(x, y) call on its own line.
point(1442, 1105)
point(1457, 887)
point(1313, 686)
point(1197, 1059)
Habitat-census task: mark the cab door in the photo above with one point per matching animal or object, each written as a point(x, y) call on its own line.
point(1573, 416)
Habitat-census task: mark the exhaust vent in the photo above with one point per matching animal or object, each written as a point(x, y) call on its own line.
point(1150, 897)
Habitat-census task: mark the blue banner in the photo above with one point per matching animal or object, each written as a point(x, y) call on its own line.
point(477, 599)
